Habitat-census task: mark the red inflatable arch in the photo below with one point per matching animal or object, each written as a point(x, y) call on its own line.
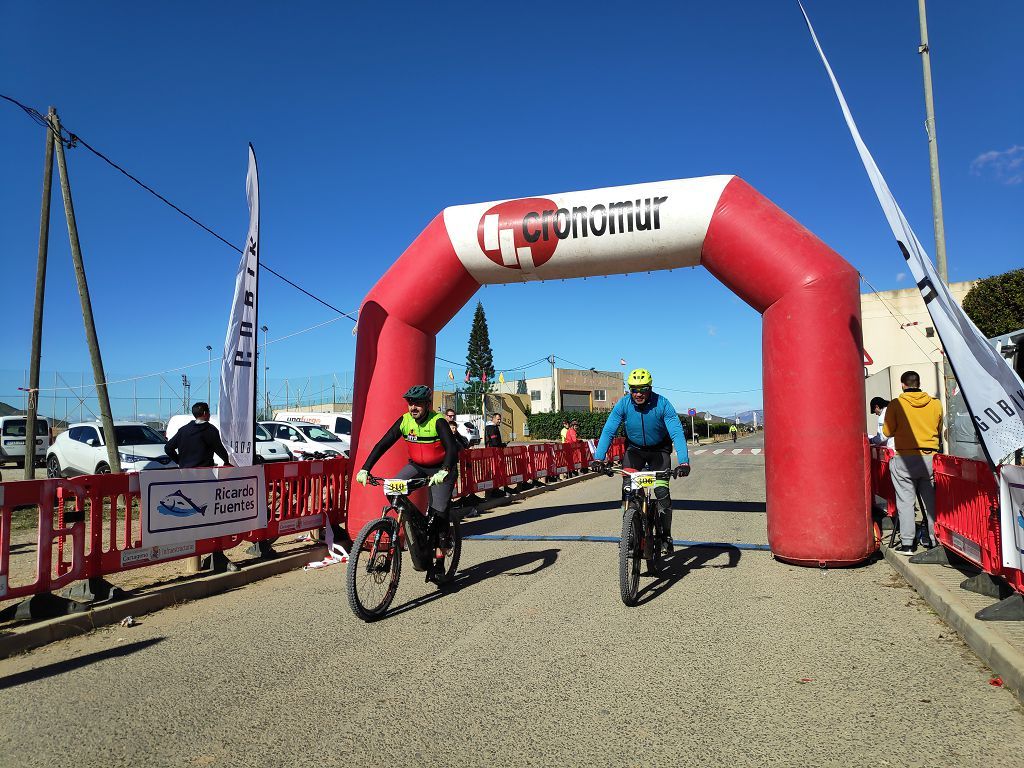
point(818, 511)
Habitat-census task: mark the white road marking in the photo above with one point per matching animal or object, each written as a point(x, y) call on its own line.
point(755, 451)
point(736, 451)
point(720, 450)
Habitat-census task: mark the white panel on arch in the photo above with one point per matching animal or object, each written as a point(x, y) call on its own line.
point(608, 231)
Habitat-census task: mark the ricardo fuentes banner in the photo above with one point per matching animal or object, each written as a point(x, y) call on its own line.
point(185, 505)
point(993, 393)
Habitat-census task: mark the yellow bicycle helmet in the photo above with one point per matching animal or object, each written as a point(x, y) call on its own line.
point(640, 377)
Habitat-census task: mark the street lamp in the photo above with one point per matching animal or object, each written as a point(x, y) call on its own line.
point(266, 384)
point(209, 373)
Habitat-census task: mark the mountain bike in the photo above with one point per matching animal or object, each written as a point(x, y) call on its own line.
point(375, 562)
point(642, 535)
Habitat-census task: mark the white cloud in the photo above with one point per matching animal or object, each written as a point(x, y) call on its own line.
point(712, 330)
point(1006, 167)
point(901, 276)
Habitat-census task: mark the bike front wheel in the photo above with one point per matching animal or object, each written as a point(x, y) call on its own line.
point(630, 551)
point(374, 567)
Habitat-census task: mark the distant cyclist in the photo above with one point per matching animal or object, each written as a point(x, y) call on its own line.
point(433, 454)
point(652, 426)
point(733, 432)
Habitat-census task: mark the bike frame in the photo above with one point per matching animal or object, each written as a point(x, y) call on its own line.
point(410, 523)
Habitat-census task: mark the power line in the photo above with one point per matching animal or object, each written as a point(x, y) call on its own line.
point(903, 325)
point(74, 140)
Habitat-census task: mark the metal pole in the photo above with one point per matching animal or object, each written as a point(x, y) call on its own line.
point(83, 292)
point(949, 381)
point(37, 314)
point(266, 384)
point(209, 374)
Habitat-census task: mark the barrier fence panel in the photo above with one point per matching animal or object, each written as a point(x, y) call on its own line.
point(539, 458)
point(98, 529)
point(882, 491)
point(967, 510)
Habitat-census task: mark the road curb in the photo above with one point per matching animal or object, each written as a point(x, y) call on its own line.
point(41, 633)
point(1005, 660)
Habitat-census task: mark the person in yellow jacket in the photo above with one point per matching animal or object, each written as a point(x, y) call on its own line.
point(913, 420)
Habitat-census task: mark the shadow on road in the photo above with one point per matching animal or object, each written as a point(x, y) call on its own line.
point(681, 562)
point(57, 668)
point(527, 516)
point(524, 564)
point(716, 505)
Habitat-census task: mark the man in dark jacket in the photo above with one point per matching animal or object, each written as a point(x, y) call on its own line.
point(195, 444)
point(492, 433)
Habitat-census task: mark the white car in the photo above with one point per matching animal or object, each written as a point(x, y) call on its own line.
point(267, 448)
point(12, 439)
point(305, 441)
point(82, 450)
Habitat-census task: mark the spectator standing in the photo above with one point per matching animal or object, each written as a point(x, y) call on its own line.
point(913, 421)
point(460, 440)
point(565, 430)
point(878, 407)
point(492, 433)
point(570, 434)
point(194, 445)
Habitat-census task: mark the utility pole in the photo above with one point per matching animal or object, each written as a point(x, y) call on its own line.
point(949, 381)
point(92, 340)
point(266, 384)
point(185, 392)
point(554, 385)
point(37, 314)
point(209, 375)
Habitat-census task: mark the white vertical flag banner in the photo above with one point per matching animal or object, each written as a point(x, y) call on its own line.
point(993, 392)
point(238, 369)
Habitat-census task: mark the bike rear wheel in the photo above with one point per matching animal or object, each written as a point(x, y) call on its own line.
point(450, 542)
point(630, 551)
point(374, 567)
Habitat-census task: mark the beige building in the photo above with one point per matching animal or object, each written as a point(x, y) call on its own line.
point(577, 390)
point(898, 337)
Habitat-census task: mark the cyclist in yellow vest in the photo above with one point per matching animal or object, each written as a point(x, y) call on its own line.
point(433, 454)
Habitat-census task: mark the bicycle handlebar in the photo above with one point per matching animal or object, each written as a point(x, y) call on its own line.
point(413, 483)
point(667, 475)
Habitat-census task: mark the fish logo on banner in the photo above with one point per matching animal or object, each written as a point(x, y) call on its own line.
point(993, 392)
point(237, 373)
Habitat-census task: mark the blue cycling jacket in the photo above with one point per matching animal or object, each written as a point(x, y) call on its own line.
point(647, 426)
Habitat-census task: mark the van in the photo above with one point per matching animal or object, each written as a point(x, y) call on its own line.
point(12, 440)
point(267, 449)
point(338, 423)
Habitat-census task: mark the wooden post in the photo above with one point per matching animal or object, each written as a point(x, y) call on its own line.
point(106, 417)
point(37, 314)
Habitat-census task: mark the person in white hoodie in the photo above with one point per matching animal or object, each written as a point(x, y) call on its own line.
point(878, 406)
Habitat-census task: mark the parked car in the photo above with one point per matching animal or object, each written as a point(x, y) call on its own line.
point(267, 448)
point(82, 449)
point(338, 423)
point(470, 427)
point(12, 440)
point(307, 440)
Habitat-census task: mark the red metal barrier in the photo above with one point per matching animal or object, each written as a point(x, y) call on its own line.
point(98, 529)
point(517, 464)
point(882, 492)
point(481, 469)
point(967, 510)
point(540, 461)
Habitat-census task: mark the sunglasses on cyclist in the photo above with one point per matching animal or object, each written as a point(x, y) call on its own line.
point(634, 390)
point(422, 403)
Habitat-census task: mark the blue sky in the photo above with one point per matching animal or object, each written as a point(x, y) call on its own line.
point(369, 120)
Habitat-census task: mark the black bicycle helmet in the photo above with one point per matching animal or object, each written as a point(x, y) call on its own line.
point(419, 392)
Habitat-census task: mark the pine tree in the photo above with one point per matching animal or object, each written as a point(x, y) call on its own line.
point(479, 360)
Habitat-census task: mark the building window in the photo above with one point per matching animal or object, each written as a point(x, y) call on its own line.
point(535, 394)
point(600, 396)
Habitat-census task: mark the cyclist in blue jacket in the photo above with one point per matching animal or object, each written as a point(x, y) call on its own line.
point(652, 426)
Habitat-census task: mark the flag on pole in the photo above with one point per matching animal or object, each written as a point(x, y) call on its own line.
point(483, 377)
point(622, 361)
point(237, 407)
point(501, 377)
point(467, 377)
point(993, 392)
point(451, 375)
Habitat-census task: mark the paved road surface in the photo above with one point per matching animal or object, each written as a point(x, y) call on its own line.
point(734, 659)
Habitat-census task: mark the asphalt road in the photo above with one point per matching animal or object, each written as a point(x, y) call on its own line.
point(533, 660)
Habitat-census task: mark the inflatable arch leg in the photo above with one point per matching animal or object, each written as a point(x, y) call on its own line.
point(818, 506)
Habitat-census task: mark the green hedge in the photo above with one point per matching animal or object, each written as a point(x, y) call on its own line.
point(548, 426)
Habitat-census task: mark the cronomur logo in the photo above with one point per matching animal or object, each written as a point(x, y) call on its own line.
point(523, 234)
